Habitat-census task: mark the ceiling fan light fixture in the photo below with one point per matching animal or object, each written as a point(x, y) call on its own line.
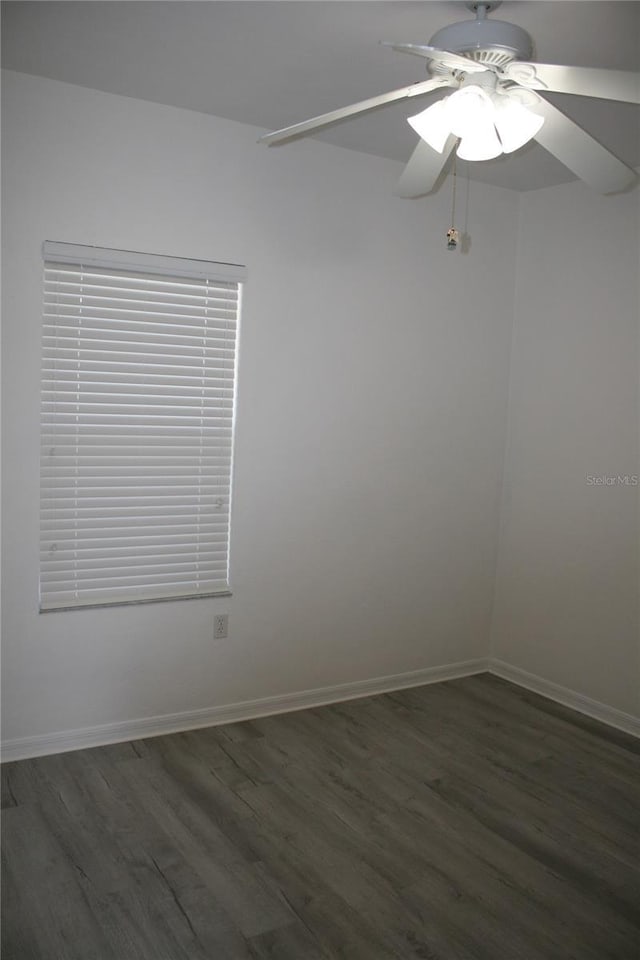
point(467, 114)
point(515, 124)
point(432, 125)
point(486, 123)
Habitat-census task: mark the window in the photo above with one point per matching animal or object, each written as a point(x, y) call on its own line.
point(137, 415)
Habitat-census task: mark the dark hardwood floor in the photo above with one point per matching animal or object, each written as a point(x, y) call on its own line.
point(467, 820)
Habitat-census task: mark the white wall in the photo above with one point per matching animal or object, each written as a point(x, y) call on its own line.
point(567, 584)
point(372, 404)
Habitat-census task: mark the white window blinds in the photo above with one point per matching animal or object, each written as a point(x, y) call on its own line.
point(138, 386)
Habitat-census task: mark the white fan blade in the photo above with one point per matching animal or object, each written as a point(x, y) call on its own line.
point(316, 123)
point(574, 147)
point(451, 60)
point(423, 169)
point(582, 81)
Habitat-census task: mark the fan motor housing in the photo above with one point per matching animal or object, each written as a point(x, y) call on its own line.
point(494, 42)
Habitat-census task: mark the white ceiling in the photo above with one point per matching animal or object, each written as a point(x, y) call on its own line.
point(272, 63)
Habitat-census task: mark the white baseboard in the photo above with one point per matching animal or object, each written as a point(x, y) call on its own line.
point(64, 740)
point(568, 698)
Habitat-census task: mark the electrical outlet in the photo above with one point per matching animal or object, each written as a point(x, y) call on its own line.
point(220, 626)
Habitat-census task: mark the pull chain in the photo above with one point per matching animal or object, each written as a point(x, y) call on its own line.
point(453, 235)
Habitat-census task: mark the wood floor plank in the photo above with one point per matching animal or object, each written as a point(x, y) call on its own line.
point(338, 928)
point(222, 866)
point(60, 925)
point(408, 853)
point(286, 943)
point(467, 820)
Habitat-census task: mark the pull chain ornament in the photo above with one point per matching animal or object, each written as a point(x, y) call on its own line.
point(453, 235)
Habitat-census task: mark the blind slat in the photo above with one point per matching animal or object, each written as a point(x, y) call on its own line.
point(119, 528)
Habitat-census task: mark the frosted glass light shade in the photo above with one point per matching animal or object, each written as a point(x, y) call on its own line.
point(471, 117)
point(432, 125)
point(468, 111)
point(515, 124)
point(480, 145)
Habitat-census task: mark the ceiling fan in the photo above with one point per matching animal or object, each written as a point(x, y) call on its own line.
point(498, 105)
